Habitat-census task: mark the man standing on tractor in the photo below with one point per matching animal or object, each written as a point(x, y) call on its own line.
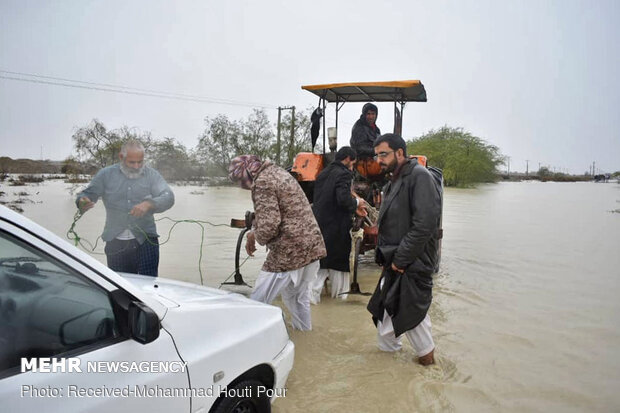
point(409, 222)
point(333, 207)
point(365, 132)
point(284, 222)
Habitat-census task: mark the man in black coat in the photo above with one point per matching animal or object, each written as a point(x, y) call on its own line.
point(333, 207)
point(365, 132)
point(409, 220)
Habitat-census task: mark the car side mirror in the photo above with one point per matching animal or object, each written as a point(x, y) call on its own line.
point(143, 323)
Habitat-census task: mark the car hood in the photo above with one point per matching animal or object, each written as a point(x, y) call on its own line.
point(172, 293)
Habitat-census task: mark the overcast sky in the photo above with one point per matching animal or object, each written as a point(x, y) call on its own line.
point(538, 79)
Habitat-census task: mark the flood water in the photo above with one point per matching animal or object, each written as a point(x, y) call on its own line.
point(526, 315)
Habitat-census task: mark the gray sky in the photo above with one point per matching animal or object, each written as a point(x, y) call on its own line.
point(538, 79)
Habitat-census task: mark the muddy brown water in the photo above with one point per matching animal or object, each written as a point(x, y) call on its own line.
point(526, 315)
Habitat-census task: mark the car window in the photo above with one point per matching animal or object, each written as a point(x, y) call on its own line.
point(47, 308)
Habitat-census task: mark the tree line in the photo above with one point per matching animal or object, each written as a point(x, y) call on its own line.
point(465, 159)
point(95, 146)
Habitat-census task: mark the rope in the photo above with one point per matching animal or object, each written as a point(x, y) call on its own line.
point(73, 236)
point(77, 240)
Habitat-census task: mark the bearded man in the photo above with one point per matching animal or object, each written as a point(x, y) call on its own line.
point(409, 222)
point(131, 193)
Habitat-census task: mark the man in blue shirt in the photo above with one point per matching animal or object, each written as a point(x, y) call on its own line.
point(131, 193)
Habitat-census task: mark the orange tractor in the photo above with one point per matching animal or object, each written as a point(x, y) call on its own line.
point(368, 177)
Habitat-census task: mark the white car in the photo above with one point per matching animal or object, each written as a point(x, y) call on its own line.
point(77, 337)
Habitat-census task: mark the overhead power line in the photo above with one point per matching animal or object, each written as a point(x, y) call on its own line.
point(106, 87)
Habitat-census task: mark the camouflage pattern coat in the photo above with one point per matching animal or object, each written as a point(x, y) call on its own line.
point(284, 221)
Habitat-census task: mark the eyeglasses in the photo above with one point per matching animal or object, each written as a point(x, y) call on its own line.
point(382, 155)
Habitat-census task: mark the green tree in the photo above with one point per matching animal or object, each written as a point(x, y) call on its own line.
point(465, 159)
point(301, 137)
point(219, 143)
point(96, 145)
point(544, 172)
point(72, 167)
point(172, 160)
point(257, 136)
point(224, 139)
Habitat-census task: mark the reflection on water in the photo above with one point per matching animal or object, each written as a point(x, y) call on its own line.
point(526, 314)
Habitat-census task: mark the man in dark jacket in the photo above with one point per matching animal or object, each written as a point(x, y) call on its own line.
point(333, 207)
point(365, 132)
point(408, 222)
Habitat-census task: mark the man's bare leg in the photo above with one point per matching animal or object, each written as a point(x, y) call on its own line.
point(427, 359)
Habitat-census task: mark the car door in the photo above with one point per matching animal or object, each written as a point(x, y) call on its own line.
point(54, 306)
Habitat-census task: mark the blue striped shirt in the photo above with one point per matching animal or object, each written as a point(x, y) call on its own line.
point(120, 194)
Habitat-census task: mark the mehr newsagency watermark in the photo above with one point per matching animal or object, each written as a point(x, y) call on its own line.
point(144, 391)
point(75, 365)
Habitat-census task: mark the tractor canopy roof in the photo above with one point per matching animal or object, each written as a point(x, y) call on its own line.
point(391, 91)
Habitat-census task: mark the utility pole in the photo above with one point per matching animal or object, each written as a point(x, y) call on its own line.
point(278, 142)
point(527, 165)
point(290, 147)
point(508, 159)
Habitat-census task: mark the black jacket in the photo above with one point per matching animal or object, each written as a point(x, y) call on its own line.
point(333, 208)
point(408, 221)
point(363, 138)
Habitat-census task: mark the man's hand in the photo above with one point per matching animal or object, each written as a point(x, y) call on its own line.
point(84, 204)
point(141, 209)
point(361, 208)
point(250, 243)
point(398, 270)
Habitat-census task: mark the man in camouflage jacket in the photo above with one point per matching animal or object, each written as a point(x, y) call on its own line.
point(285, 223)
